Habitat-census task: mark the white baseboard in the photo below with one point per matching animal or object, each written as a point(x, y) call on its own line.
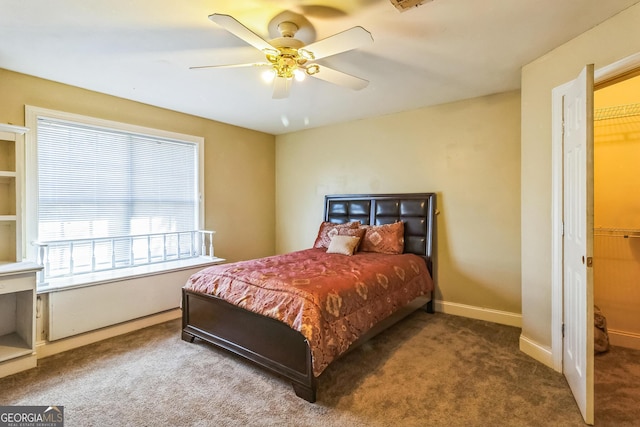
point(624, 339)
point(49, 348)
point(539, 352)
point(544, 354)
point(490, 315)
point(531, 348)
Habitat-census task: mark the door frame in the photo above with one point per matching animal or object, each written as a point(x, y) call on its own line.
point(601, 76)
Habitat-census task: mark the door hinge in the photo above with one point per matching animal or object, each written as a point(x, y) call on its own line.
point(563, 330)
point(562, 228)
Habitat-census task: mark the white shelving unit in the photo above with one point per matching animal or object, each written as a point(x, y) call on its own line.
point(17, 278)
point(11, 163)
point(17, 317)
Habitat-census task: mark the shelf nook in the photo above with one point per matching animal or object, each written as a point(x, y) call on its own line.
point(17, 278)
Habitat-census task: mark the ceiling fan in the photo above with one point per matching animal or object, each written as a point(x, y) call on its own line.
point(288, 58)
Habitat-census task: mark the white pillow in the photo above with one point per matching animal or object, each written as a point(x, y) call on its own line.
point(344, 245)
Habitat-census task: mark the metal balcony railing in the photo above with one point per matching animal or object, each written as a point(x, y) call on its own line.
point(65, 258)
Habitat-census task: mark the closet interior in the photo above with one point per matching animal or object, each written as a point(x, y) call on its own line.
point(616, 242)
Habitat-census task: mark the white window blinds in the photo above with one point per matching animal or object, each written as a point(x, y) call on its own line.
point(96, 182)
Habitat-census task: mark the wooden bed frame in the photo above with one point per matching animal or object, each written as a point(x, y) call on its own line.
point(273, 344)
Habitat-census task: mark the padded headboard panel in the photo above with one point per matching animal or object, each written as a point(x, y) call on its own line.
point(416, 210)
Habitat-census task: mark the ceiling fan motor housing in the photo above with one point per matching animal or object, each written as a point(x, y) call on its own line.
point(287, 29)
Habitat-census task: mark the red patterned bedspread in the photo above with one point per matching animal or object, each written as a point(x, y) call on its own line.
point(331, 299)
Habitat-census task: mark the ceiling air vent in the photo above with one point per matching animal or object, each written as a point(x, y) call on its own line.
point(404, 5)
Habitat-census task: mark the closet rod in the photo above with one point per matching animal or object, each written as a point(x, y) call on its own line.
point(616, 111)
point(617, 232)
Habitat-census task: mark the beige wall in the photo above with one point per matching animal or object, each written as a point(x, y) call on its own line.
point(468, 152)
point(613, 40)
point(239, 163)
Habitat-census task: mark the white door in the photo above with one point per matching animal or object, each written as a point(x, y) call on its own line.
point(577, 360)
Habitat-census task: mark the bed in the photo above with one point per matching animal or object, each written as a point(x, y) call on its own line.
point(221, 304)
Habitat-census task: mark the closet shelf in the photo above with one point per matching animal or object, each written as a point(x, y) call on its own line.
point(616, 111)
point(617, 232)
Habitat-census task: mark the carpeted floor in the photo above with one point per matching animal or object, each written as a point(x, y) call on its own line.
point(429, 370)
point(617, 387)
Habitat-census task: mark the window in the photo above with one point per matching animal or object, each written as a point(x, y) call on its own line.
point(107, 195)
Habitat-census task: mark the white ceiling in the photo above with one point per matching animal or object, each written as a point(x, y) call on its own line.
point(442, 51)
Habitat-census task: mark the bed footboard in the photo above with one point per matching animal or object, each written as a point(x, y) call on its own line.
point(265, 341)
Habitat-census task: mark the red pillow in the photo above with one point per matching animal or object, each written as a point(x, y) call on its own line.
point(385, 239)
point(328, 230)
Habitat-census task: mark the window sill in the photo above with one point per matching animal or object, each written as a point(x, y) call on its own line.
point(93, 279)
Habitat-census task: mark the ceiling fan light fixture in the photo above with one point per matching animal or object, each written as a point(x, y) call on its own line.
point(269, 75)
point(298, 74)
point(312, 69)
point(271, 52)
point(285, 62)
point(305, 54)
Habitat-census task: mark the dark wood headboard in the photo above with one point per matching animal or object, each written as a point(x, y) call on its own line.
point(416, 210)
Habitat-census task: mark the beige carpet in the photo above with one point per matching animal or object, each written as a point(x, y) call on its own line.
point(430, 370)
point(617, 388)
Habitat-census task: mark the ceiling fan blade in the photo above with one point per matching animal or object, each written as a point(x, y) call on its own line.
point(254, 64)
point(339, 78)
point(232, 25)
point(281, 87)
point(340, 42)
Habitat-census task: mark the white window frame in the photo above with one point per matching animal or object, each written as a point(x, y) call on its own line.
point(30, 219)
